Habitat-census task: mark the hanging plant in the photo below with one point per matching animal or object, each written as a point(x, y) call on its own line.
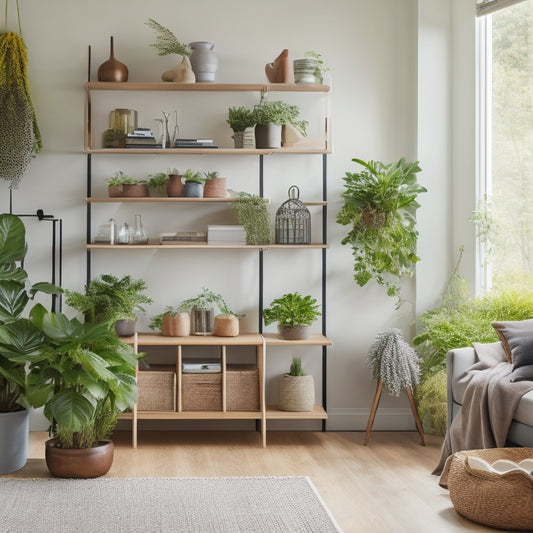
point(252, 213)
point(380, 207)
point(393, 362)
point(19, 133)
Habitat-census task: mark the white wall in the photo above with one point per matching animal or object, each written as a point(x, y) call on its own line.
point(380, 110)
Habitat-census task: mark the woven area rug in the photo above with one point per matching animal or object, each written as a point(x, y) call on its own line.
point(150, 505)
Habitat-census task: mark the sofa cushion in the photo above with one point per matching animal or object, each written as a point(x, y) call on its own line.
point(524, 411)
point(517, 341)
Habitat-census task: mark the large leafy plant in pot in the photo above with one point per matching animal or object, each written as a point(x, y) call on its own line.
point(380, 204)
point(83, 376)
point(111, 299)
point(18, 338)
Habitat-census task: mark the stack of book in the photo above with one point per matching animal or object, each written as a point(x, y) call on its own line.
point(226, 235)
point(183, 237)
point(142, 138)
point(194, 143)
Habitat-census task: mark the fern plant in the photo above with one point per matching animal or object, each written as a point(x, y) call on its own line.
point(291, 310)
point(380, 208)
point(166, 42)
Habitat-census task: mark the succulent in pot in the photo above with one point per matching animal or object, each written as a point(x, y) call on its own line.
point(214, 186)
point(294, 314)
point(194, 184)
point(157, 184)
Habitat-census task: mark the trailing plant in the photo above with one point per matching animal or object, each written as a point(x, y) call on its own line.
point(296, 368)
point(320, 69)
point(18, 336)
point(20, 137)
point(380, 209)
point(194, 176)
point(252, 214)
point(166, 42)
point(292, 309)
point(393, 362)
point(240, 118)
point(82, 375)
point(108, 298)
point(279, 113)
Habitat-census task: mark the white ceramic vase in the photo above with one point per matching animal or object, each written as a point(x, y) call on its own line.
point(204, 61)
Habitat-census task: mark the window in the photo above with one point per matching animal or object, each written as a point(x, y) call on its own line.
point(504, 217)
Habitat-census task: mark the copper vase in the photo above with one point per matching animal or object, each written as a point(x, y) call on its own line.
point(112, 69)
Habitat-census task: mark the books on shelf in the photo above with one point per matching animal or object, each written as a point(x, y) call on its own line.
point(183, 237)
point(194, 143)
point(201, 366)
point(232, 234)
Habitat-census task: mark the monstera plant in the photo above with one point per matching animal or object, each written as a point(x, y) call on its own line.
point(380, 204)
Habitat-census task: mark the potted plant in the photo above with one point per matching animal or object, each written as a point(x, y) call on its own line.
point(380, 209)
point(173, 322)
point(134, 188)
point(294, 314)
point(240, 119)
point(157, 184)
point(114, 184)
point(83, 375)
point(175, 183)
point(297, 389)
point(111, 299)
point(270, 116)
point(193, 187)
point(18, 338)
point(252, 214)
point(201, 308)
point(214, 186)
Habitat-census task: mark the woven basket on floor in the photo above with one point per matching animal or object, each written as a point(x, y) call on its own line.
point(502, 501)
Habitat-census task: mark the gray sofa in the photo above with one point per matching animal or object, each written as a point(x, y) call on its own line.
point(457, 362)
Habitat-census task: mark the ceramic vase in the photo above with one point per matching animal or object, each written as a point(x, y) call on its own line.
point(175, 185)
point(268, 136)
point(112, 69)
point(204, 61)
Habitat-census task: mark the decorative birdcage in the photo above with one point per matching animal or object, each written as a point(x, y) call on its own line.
point(293, 220)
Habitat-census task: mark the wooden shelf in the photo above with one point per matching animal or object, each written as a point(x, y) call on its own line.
point(273, 412)
point(156, 339)
point(206, 87)
point(166, 200)
point(202, 246)
point(199, 415)
point(210, 151)
point(272, 339)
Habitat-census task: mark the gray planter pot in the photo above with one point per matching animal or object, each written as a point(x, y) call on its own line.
point(125, 328)
point(14, 432)
point(192, 189)
point(294, 333)
point(268, 136)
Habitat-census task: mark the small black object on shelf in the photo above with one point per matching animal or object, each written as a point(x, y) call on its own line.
point(293, 220)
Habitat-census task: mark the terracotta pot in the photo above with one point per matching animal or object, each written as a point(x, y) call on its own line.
point(79, 462)
point(215, 188)
point(114, 191)
point(294, 333)
point(135, 191)
point(176, 325)
point(175, 185)
point(226, 325)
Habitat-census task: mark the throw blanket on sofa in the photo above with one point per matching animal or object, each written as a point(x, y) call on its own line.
point(488, 406)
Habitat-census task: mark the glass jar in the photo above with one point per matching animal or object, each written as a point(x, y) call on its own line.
point(139, 235)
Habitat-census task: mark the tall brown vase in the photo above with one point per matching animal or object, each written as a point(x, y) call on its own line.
point(112, 69)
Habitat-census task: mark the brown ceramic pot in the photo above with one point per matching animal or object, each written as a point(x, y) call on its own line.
point(175, 185)
point(112, 69)
point(79, 462)
point(136, 191)
point(294, 333)
point(114, 191)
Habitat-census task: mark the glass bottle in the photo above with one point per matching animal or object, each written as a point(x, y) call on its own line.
point(139, 235)
point(124, 234)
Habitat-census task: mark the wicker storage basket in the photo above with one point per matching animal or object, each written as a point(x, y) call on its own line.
point(296, 393)
point(201, 392)
point(242, 388)
point(502, 501)
point(157, 389)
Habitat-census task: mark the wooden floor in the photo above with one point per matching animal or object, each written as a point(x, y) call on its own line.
point(385, 487)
